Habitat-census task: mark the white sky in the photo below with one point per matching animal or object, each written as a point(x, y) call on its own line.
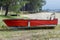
point(52, 4)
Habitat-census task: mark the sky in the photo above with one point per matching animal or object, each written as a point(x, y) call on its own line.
point(52, 4)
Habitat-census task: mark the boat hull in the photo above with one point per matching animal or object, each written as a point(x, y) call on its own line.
point(29, 23)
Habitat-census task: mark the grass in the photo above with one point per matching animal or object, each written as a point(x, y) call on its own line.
point(30, 34)
point(1, 21)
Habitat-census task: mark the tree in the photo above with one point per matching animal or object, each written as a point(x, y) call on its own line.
point(35, 5)
point(12, 5)
point(16, 6)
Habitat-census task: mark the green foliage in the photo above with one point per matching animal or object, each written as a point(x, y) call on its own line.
point(16, 7)
point(37, 4)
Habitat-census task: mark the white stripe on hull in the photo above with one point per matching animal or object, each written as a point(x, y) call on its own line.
point(28, 23)
point(44, 25)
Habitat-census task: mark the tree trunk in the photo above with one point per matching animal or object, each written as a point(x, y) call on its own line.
point(6, 10)
point(1, 10)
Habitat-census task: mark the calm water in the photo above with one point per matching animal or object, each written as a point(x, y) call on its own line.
point(52, 4)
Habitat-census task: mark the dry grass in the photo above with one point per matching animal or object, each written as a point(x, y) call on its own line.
point(38, 34)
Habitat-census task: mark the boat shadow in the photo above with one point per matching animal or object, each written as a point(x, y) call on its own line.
point(34, 28)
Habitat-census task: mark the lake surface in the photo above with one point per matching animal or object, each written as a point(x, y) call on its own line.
point(52, 4)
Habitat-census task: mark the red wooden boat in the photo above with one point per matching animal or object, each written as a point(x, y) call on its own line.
point(52, 21)
point(30, 23)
